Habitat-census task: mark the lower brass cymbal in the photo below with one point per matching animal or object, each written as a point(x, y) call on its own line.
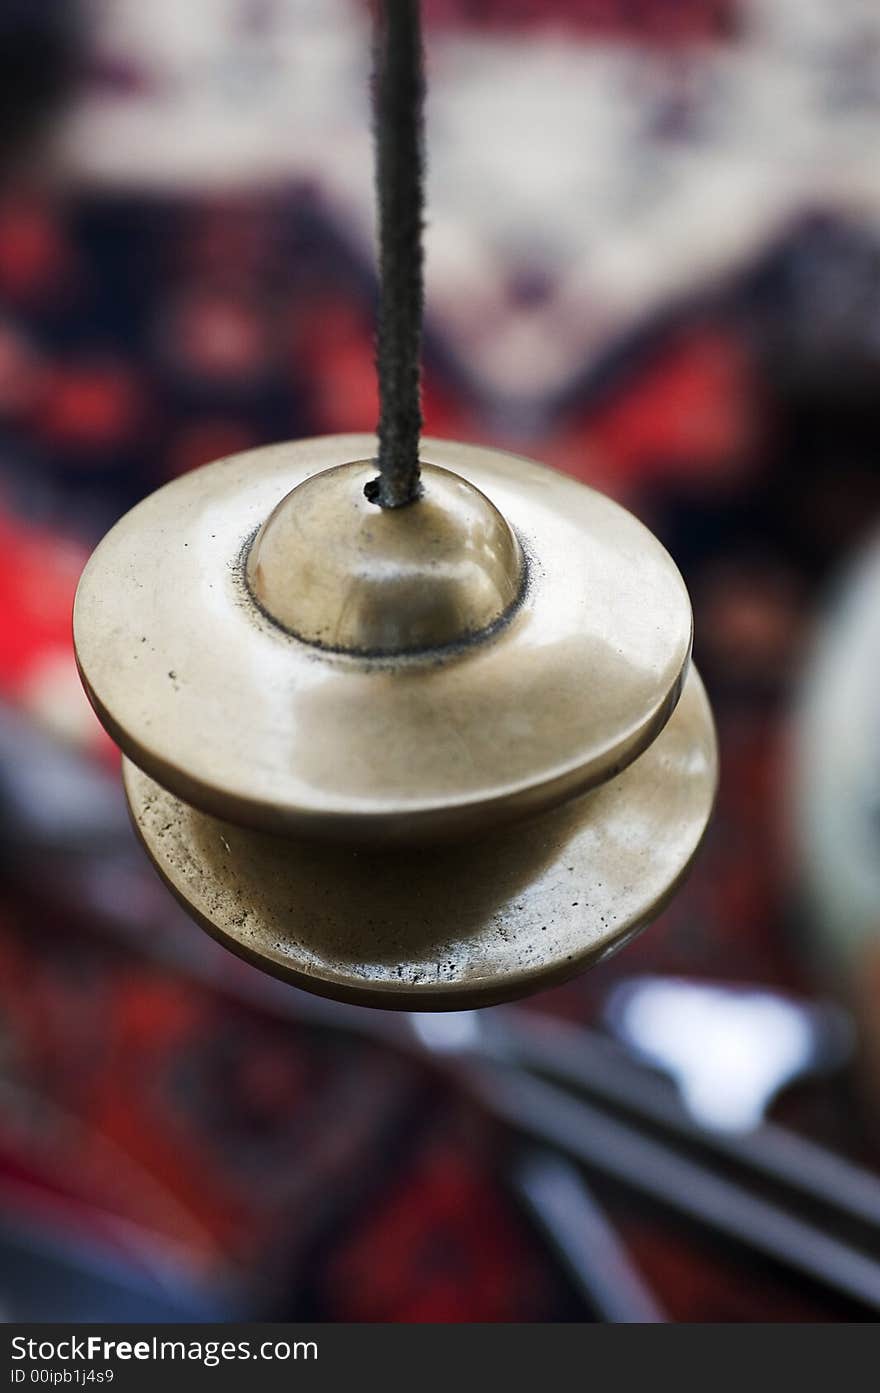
point(447, 927)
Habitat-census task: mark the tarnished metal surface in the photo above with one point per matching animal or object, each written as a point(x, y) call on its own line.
point(448, 927)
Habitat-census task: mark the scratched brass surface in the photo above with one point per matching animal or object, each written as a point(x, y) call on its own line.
point(446, 928)
point(222, 706)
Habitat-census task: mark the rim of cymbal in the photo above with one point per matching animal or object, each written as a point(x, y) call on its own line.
point(244, 720)
point(448, 927)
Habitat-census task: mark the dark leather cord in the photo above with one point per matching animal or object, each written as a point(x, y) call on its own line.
point(399, 133)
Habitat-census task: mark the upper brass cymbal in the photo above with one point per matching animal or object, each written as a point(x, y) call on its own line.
point(510, 640)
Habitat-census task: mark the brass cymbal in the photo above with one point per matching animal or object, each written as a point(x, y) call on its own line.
point(448, 927)
point(279, 652)
point(302, 682)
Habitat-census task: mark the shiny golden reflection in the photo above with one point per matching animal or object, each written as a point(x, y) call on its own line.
point(340, 572)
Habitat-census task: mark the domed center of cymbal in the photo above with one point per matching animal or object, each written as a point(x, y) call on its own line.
point(338, 571)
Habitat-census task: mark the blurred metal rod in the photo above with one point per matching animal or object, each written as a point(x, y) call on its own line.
point(509, 1037)
point(579, 1057)
point(565, 1209)
point(541, 1110)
